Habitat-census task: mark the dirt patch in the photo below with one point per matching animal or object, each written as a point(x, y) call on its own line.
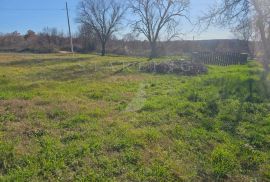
point(14, 110)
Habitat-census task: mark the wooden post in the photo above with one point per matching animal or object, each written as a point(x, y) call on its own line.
point(69, 30)
point(244, 58)
point(195, 57)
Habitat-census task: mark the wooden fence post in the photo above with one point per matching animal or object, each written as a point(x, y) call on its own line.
point(195, 57)
point(244, 57)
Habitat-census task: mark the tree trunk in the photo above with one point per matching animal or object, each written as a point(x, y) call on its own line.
point(103, 49)
point(265, 43)
point(266, 46)
point(153, 50)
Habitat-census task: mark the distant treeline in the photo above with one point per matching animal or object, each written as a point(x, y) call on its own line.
point(50, 40)
point(171, 48)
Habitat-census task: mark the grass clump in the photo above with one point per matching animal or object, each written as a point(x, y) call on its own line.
point(223, 161)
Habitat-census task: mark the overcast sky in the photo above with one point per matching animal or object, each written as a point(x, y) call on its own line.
point(22, 15)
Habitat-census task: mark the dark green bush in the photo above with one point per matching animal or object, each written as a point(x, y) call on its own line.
point(250, 159)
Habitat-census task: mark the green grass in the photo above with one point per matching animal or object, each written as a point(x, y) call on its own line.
point(71, 118)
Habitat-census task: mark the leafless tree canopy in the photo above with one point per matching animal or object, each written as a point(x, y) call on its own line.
point(155, 16)
point(103, 16)
point(88, 38)
point(228, 13)
point(251, 18)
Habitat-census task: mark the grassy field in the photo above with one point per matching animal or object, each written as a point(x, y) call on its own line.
point(75, 118)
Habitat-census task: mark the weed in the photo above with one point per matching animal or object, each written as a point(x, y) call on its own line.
point(56, 114)
point(223, 162)
point(7, 158)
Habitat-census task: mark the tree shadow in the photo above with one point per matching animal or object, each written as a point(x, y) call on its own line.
point(41, 62)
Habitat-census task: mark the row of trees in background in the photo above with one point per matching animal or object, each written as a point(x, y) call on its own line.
point(49, 40)
point(150, 18)
point(158, 22)
point(85, 41)
point(46, 41)
point(153, 18)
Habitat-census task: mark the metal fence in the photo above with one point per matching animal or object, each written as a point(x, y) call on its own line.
point(220, 58)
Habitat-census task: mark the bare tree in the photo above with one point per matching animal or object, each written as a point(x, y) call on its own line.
point(88, 38)
point(249, 17)
point(155, 16)
point(103, 16)
point(51, 37)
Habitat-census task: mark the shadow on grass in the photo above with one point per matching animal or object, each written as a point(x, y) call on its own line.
point(72, 72)
point(63, 74)
point(40, 62)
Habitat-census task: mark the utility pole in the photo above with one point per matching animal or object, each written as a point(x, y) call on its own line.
point(70, 36)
